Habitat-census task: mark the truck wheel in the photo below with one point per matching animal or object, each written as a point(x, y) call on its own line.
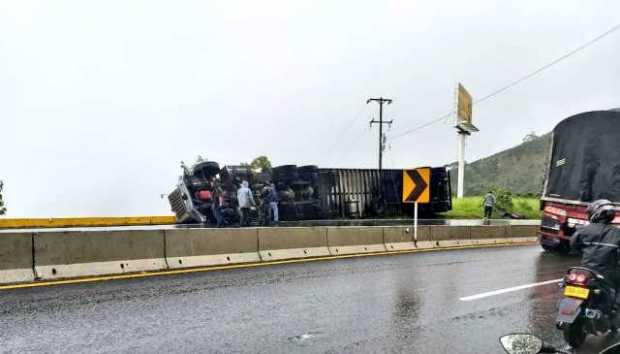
point(574, 333)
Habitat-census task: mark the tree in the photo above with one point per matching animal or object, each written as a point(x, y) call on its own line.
point(261, 163)
point(530, 137)
point(2, 208)
point(503, 199)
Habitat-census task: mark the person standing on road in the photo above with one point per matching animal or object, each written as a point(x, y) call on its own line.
point(489, 203)
point(246, 202)
point(218, 199)
point(264, 205)
point(273, 203)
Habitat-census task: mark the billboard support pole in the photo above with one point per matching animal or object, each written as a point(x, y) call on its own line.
point(461, 161)
point(464, 128)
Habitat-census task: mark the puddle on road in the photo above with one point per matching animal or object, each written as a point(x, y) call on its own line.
point(304, 339)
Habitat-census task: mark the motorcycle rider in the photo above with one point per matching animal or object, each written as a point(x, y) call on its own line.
point(599, 243)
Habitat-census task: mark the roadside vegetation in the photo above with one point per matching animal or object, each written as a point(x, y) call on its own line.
point(471, 208)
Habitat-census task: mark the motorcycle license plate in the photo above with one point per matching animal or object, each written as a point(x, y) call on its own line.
point(575, 291)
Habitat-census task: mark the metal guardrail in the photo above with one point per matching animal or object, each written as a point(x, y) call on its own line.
point(170, 222)
point(25, 223)
point(407, 222)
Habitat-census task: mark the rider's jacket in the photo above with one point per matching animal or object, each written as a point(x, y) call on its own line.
point(599, 245)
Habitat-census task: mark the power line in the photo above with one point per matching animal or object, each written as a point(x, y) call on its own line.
point(346, 128)
point(515, 82)
point(343, 154)
point(341, 148)
point(544, 67)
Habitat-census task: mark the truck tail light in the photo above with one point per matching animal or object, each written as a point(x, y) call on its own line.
point(554, 210)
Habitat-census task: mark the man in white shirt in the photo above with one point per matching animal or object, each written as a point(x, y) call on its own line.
point(246, 202)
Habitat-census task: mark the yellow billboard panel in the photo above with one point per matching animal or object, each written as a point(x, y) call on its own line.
point(464, 105)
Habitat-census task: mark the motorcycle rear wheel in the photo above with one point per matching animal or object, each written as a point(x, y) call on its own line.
point(574, 333)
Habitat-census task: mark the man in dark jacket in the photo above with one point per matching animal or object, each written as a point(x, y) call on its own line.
point(218, 196)
point(264, 205)
point(599, 242)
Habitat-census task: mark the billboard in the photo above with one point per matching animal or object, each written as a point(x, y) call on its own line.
point(464, 105)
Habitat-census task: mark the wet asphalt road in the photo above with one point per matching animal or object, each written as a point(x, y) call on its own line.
point(405, 303)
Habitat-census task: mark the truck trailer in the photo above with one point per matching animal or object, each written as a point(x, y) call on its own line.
point(304, 192)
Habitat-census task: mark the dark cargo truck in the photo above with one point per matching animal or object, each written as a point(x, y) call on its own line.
point(584, 165)
point(305, 192)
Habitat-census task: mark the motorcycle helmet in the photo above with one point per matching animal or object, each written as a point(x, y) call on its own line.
point(601, 211)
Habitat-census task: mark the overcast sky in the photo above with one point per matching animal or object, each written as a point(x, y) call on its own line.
point(101, 100)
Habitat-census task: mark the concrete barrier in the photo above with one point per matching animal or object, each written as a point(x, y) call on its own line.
point(400, 238)
point(208, 247)
point(520, 234)
point(77, 254)
point(488, 234)
point(527, 231)
point(450, 236)
point(524, 240)
point(73, 254)
point(16, 258)
point(292, 242)
point(351, 240)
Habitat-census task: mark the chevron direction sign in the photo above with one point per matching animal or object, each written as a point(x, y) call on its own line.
point(416, 185)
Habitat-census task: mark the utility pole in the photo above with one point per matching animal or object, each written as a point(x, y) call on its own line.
point(381, 101)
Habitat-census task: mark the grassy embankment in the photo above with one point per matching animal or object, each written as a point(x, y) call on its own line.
point(471, 208)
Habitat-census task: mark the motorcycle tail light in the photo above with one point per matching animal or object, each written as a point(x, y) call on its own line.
point(578, 278)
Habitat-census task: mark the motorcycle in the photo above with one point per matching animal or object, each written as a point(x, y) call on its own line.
point(587, 306)
point(523, 343)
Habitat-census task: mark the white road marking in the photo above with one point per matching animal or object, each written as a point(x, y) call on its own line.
point(508, 290)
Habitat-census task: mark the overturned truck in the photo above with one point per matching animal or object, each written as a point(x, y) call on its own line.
point(304, 192)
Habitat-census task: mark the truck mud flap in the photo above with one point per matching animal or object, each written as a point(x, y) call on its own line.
point(569, 309)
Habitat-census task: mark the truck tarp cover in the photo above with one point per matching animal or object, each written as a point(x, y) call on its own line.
point(585, 158)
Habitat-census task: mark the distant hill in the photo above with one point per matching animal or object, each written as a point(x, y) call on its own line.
point(520, 169)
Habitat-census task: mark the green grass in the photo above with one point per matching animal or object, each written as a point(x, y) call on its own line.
point(528, 207)
point(471, 208)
